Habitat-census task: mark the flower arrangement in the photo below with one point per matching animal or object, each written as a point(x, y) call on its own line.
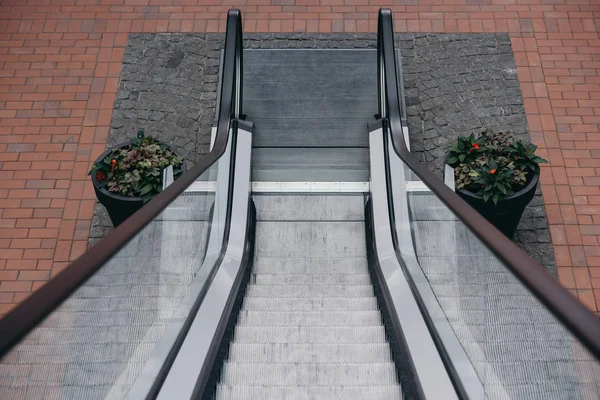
point(136, 170)
point(492, 165)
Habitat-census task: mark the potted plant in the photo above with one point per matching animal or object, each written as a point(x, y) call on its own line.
point(496, 175)
point(129, 174)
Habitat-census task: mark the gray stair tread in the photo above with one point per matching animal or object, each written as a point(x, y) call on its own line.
point(319, 128)
point(280, 352)
point(310, 208)
point(383, 392)
point(310, 265)
point(309, 374)
point(310, 164)
point(310, 85)
point(311, 279)
point(307, 334)
point(308, 57)
point(309, 109)
point(310, 291)
point(310, 304)
point(309, 318)
point(310, 239)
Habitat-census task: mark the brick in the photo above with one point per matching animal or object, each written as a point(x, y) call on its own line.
point(43, 233)
point(38, 254)
point(31, 223)
point(79, 247)
point(25, 243)
point(33, 275)
point(18, 212)
point(15, 286)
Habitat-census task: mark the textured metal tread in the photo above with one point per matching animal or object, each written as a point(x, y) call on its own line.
point(310, 291)
point(309, 352)
point(311, 279)
point(313, 208)
point(310, 374)
point(307, 334)
point(311, 304)
point(382, 392)
point(317, 266)
point(309, 318)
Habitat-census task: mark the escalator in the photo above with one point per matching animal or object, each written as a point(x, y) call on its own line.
point(308, 256)
point(309, 326)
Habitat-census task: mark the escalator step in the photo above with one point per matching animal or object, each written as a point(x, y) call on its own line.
point(310, 304)
point(384, 392)
point(309, 318)
point(310, 291)
point(308, 334)
point(310, 374)
point(331, 353)
point(317, 266)
point(311, 279)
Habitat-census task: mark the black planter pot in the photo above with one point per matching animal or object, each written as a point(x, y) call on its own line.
point(508, 212)
point(119, 207)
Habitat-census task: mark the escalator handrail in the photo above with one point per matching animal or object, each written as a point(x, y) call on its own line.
point(563, 305)
point(23, 318)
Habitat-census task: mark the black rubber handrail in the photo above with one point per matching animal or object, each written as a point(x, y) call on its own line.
point(563, 305)
point(34, 309)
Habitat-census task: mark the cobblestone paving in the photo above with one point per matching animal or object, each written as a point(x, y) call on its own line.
point(455, 84)
point(168, 87)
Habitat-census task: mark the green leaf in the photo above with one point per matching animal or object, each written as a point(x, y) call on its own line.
point(462, 157)
point(146, 189)
point(140, 134)
point(452, 160)
point(496, 198)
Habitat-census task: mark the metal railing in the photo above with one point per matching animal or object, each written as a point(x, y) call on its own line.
point(33, 310)
point(580, 321)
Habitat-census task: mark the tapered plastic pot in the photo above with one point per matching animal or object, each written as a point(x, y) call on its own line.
point(119, 207)
point(508, 212)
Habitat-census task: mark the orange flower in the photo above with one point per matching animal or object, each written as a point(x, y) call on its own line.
point(113, 164)
point(476, 146)
point(492, 171)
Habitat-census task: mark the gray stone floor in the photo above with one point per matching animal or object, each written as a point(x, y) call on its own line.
point(455, 84)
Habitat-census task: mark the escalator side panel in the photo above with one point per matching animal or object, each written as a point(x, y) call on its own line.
point(429, 370)
point(196, 356)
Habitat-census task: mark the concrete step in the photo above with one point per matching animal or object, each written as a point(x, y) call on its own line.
point(308, 334)
point(311, 279)
point(309, 318)
point(309, 265)
point(299, 239)
point(384, 392)
point(310, 304)
point(310, 291)
point(304, 353)
point(312, 208)
point(309, 374)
